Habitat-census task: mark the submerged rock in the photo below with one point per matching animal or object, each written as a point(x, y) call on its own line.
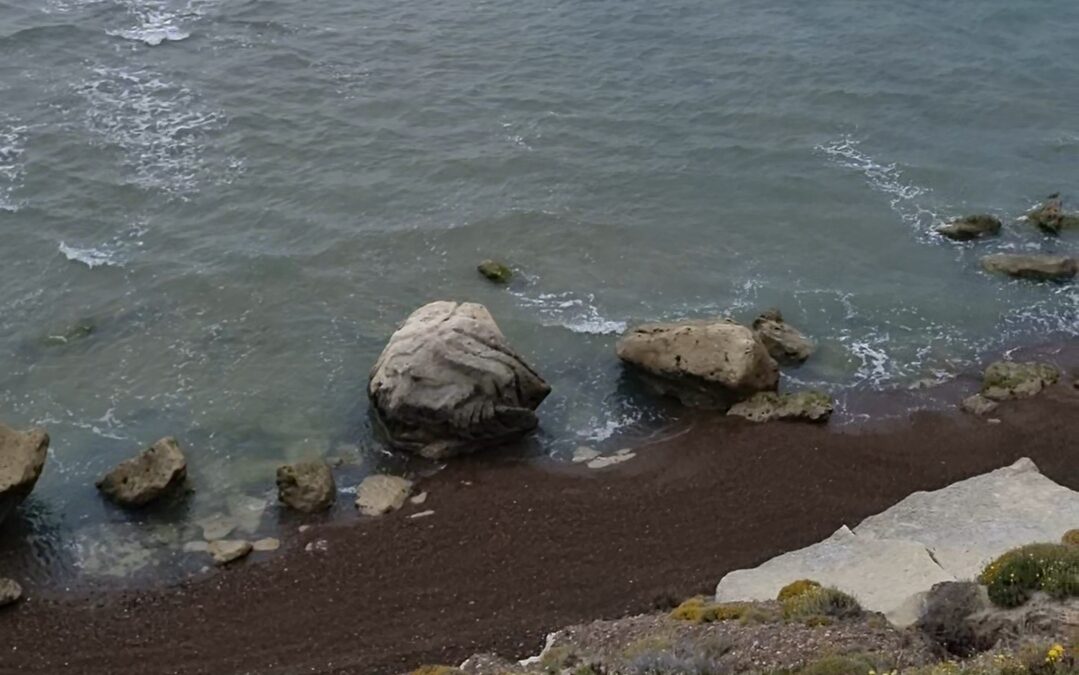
point(22, 457)
point(803, 406)
point(710, 364)
point(1050, 217)
point(380, 494)
point(73, 333)
point(1006, 380)
point(971, 227)
point(784, 342)
point(448, 383)
point(225, 551)
point(10, 592)
point(157, 471)
point(978, 405)
point(1033, 267)
point(306, 486)
point(495, 271)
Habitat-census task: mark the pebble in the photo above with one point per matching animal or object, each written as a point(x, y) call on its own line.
point(225, 551)
point(422, 514)
point(623, 455)
point(419, 499)
point(267, 544)
point(10, 592)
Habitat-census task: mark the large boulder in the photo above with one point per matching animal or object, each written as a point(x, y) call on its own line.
point(448, 383)
point(1033, 267)
point(712, 363)
point(784, 342)
point(22, 457)
point(157, 471)
point(306, 486)
point(970, 227)
point(1006, 380)
point(1050, 217)
point(767, 406)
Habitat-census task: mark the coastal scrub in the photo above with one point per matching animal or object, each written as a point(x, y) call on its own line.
point(1014, 576)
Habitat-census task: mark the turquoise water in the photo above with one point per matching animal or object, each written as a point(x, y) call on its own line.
point(244, 198)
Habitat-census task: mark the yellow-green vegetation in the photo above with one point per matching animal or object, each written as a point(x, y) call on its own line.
point(699, 610)
point(437, 670)
point(845, 664)
point(557, 658)
point(819, 601)
point(1071, 537)
point(1014, 576)
point(796, 588)
point(1031, 659)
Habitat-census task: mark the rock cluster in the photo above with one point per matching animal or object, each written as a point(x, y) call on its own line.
point(22, 458)
point(158, 471)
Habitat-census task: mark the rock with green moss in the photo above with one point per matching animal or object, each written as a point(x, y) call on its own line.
point(495, 271)
point(803, 406)
point(1050, 217)
point(1006, 380)
point(1033, 267)
point(971, 227)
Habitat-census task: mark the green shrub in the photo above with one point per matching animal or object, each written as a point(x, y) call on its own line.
point(1052, 568)
point(817, 602)
point(1071, 537)
point(699, 610)
point(796, 588)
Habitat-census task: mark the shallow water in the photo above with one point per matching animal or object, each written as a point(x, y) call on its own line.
point(242, 200)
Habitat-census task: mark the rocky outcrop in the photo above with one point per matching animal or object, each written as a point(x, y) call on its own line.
point(225, 551)
point(1006, 380)
point(495, 271)
point(448, 383)
point(804, 406)
point(1032, 267)
point(381, 494)
point(891, 560)
point(971, 227)
point(712, 364)
point(784, 342)
point(22, 457)
point(306, 486)
point(10, 592)
point(1050, 217)
point(158, 471)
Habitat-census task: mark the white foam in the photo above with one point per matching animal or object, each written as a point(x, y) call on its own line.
point(91, 257)
point(12, 147)
point(152, 35)
point(600, 430)
point(578, 314)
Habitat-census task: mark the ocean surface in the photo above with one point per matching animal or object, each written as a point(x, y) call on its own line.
point(215, 212)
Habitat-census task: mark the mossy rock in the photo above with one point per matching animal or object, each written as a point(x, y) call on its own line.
point(495, 271)
point(796, 588)
point(1005, 380)
point(971, 227)
point(803, 406)
point(1070, 538)
point(1013, 577)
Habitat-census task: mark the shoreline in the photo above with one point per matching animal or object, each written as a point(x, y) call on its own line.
point(519, 547)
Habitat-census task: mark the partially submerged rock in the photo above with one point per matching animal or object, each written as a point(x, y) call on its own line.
point(1035, 267)
point(448, 383)
point(381, 494)
point(1005, 380)
point(784, 342)
point(978, 405)
point(225, 551)
point(1050, 217)
point(22, 457)
point(10, 592)
point(971, 227)
point(712, 363)
point(306, 486)
point(803, 406)
point(495, 271)
point(79, 330)
point(158, 471)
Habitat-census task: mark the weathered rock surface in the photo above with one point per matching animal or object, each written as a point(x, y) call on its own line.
point(306, 486)
point(892, 559)
point(495, 271)
point(710, 364)
point(804, 406)
point(266, 544)
point(225, 551)
point(978, 405)
point(380, 494)
point(1050, 217)
point(10, 592)
point(784, 342)
point(971, 227)
point(157, 471)
point(448, 383)
point(1005, 380)
point(1033, 267)
point(22, 457)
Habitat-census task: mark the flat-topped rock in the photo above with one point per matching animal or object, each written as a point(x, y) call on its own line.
point(157, 471)
point(784, 342)
point(1034, 267)
point(971, 227)
point(22, 458)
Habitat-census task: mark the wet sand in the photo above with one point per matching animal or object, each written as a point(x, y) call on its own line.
point(516, 549)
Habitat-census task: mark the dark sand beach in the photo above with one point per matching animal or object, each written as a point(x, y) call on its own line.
point(516, 549)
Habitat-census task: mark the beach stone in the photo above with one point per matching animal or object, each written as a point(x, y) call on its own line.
point(225, 551)
point(1050, 217)
point(1035, 267)
point(159, 470)
point(495, 271)
point(604, 461)
point(449, 383)
point(306, 486)
point(382, 493)
point(971, 227)
point(10, 592)
point(767, 406)
point(22, 457)
point(711, 364)
point(418, 499)
point(583, 453)
point(978, 405)
point(784, 342)
point(217, 526)
point(266, 544)
point(1006, 380)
